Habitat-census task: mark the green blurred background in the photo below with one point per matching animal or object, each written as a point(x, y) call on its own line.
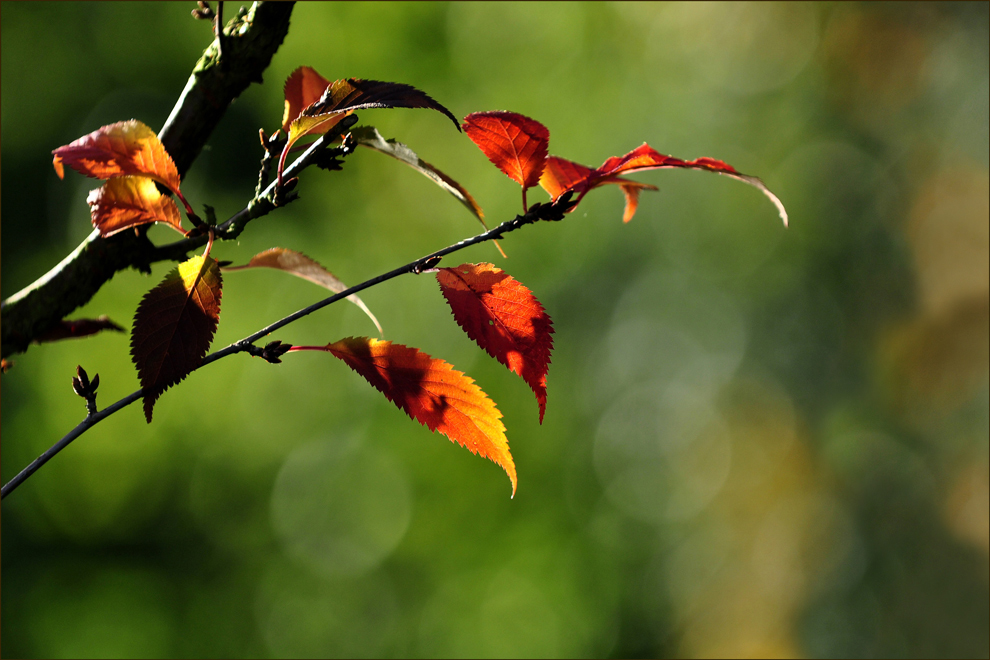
point(758, 441)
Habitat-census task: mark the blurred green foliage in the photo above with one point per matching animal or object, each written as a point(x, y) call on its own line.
point(758, 442)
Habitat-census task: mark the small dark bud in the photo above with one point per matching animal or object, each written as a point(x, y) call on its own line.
point(273, 351)
point(290, 185)
point(432, 262)
point(77, 387)
point(82, 375)
point(94, 384)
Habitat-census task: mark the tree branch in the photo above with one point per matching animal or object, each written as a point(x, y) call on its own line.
point(250, 41)
point(551, 211)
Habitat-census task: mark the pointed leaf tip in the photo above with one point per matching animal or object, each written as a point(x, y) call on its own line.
point(430, 391)
point(504, 318)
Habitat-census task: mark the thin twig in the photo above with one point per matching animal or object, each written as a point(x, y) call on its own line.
point(538, 212)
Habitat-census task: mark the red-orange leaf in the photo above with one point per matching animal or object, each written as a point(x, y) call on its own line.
point(503, 317)
point(78, 328)
point(298, 264)
point(566, 175)
point(430, 391)
point(516, 144)
point(122, 149)
point(174, 326)
point(131, 201)
point(561, 175)
point(302, 88)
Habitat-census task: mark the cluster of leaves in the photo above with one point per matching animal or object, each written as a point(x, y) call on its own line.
point(175, 322)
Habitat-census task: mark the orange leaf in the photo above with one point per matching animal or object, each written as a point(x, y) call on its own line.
point(503, 317)
point(78, 328)
point(302, 88)
point(174, 326)
point(516, 144)
point(122, 149)
point(298, 264)
point(131, 201)
point(571, 176)
point(561, 175)
point(430, 391)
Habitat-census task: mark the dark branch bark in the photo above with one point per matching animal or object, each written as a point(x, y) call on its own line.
point(251, 40)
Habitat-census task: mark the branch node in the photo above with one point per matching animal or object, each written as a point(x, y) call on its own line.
point(271, 353)
point(426, 265)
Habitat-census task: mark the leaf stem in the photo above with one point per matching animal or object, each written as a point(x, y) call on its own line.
point(549, 211)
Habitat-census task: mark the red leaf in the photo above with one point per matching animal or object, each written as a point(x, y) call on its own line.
point(566, 175)
point(503, 317)
point(122, 149)
point(430, 391)
point(562, 175)
point(174, 326)
point(516, 144)
point(78, 328)
point(302, 88)
point(298, 264)
point(131, 201)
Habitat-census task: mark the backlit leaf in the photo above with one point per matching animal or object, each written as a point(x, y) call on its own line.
point(174, 326)
point(298, 264)
point(563, 175)
point(302, 88)
point(123, 149)
point(516, 144)
point(76, 328)
point(503, 317)
point(344, 96)
point(131, 201)
point(430, 391)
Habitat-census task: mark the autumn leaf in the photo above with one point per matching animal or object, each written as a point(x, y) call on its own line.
point(131, 201)
point(123, 149)
point(430, 391)
point(298, 264)
point(504, 318)
point(303, 87)
point(562, 175)
point(516, 144)
point(74, 329)
point(341, 98)
point(174, 326)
